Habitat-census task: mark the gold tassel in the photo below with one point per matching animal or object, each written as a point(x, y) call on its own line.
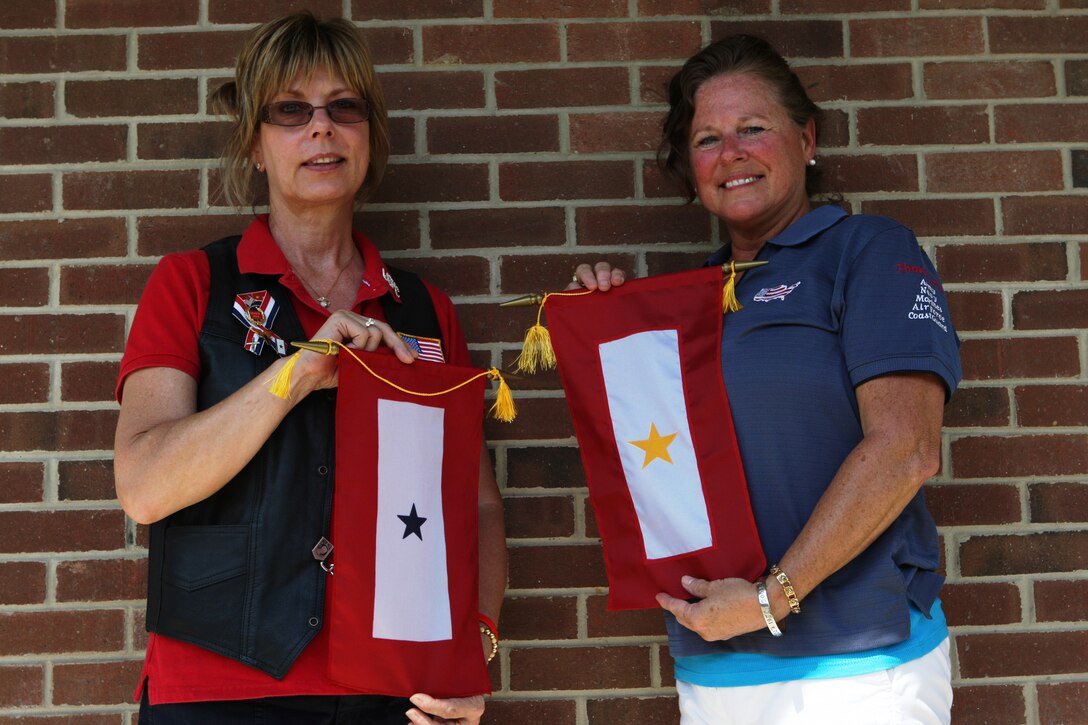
point(729, 294)
point(503, 410)
point(281, 385)
point(536, 351)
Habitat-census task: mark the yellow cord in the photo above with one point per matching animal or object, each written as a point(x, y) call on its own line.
point(537, 352)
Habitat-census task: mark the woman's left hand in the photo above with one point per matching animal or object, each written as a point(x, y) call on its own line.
point(455, 710)
point(726, 608)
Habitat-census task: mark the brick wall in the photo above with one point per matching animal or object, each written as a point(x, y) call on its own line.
point(522, 133)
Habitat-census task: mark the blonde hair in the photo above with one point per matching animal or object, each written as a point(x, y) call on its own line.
point(272, 57)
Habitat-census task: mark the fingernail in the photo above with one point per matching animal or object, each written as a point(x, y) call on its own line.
point(685, 580)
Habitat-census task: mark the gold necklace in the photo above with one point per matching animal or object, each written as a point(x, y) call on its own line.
point(323, 299)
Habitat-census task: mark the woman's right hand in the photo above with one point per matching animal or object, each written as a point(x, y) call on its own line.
point(601, 276)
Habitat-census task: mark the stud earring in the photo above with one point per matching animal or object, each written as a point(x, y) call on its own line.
point(811, 162)
point(258, 166)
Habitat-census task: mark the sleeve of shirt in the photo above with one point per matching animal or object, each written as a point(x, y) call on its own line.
point(167, 323)
point(896, 316)
point(454, 337)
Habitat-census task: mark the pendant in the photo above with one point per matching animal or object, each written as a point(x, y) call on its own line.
point(323, 301)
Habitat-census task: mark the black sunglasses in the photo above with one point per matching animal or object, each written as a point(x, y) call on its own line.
point(299, 113)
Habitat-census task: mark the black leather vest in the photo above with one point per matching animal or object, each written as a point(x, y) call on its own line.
point(235, 573)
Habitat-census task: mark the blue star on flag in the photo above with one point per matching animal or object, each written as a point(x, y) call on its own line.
point(413, 523)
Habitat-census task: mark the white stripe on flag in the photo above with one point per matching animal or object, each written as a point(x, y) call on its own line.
point(644, 386)
point(411, 592)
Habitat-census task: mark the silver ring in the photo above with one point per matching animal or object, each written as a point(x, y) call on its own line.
point(369, 322)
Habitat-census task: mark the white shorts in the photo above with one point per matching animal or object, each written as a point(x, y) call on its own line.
point(918, 692)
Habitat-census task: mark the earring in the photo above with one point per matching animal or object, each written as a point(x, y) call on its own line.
point(811, 162)
point(258, 166)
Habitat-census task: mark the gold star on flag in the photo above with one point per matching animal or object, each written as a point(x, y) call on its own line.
point(656, 446)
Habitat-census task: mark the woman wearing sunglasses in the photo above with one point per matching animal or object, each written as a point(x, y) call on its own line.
point(208, 458)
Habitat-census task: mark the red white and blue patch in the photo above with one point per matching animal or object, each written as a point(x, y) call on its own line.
point(257, 311)
point(775, 293)
point(429, 348)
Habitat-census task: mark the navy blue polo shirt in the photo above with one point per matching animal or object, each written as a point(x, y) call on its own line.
point(843, 299)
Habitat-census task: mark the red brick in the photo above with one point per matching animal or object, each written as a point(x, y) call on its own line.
point(624, 225)
point(62, 239)
point(103, 284)
point(1058, 502)
point(976, 310)
point(656, 185)
point(402, 136)
point(23, 482)
point(66, 430)
point(24, 633)
point(868, 82)
point(242, 11)
point(161, 235)
point(915, 37)
point(95, 683)
point(27, 15)
point(921, 125)
point(1076, 77)
point(982, 4)
point(24, 287)
point(630, 623)
point(181, 140)
point(524, 274)
point(22, 686)
point(1052, 405)
point(86, 480)
point(653, 83)
point(47, 334)
point(1083, 261)
point(487, 323)
point(1037, 122)
point(1011, 654)
point(62, 53)
point(414, 9)
point(390, 230)
point(530, 711)
point(101, 580)
point(995, 171)
point(548, 9)
point(1043, 357)
point(989, 79)
point(88, 381)
point(978, 407)
point(1079, 159)
point(564, 668)
point(501, 227)
point(1002, 262)
point(659, 710)
point(975, 504)
point(535, 567)
point(176, 51)
point(1024, 455)
point(418, 183)
point(540, 380)
point(833, 129)
point(938, 217)
point(981, 604)
point(1062, 702)
point(1047, 310)
point(705, 7)
point(1060, 600)
point(24, 382)
point(390, 45)
point(541, 418)
point(1024, 554)
point(669, 262)
point(62, 144)
point(860, 174)
point(433, 89)
point(540, 181)
point(27, 100)
point(463, 275)
point(528, 618)
point(603, 133)
point(60, 531)
point(552, 467)
point(492, 134)
point(124, 13)
point(539, 517)
point(25, 193)
point(792, 38)
point(131, 190)
point(560, 87)
point(21, 582)
point(1044, 215)
point(494, 43)
point(988, 705)
point(1025, 34)
point(632, 41)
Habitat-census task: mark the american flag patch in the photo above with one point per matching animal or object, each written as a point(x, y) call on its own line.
point(774, 293)
point(429, 348)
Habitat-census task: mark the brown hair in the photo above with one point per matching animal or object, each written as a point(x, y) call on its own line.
point(272, 56)
point(733, 55)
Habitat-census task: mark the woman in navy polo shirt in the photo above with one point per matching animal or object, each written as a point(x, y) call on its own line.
point(837, 370)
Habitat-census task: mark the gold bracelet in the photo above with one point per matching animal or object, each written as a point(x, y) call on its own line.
point(791, 595)
point(485, 629)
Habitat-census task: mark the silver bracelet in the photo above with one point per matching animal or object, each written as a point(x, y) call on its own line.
point(765, 607)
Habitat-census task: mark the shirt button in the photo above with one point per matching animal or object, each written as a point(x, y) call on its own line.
point(314, 621)
point(322, 470)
